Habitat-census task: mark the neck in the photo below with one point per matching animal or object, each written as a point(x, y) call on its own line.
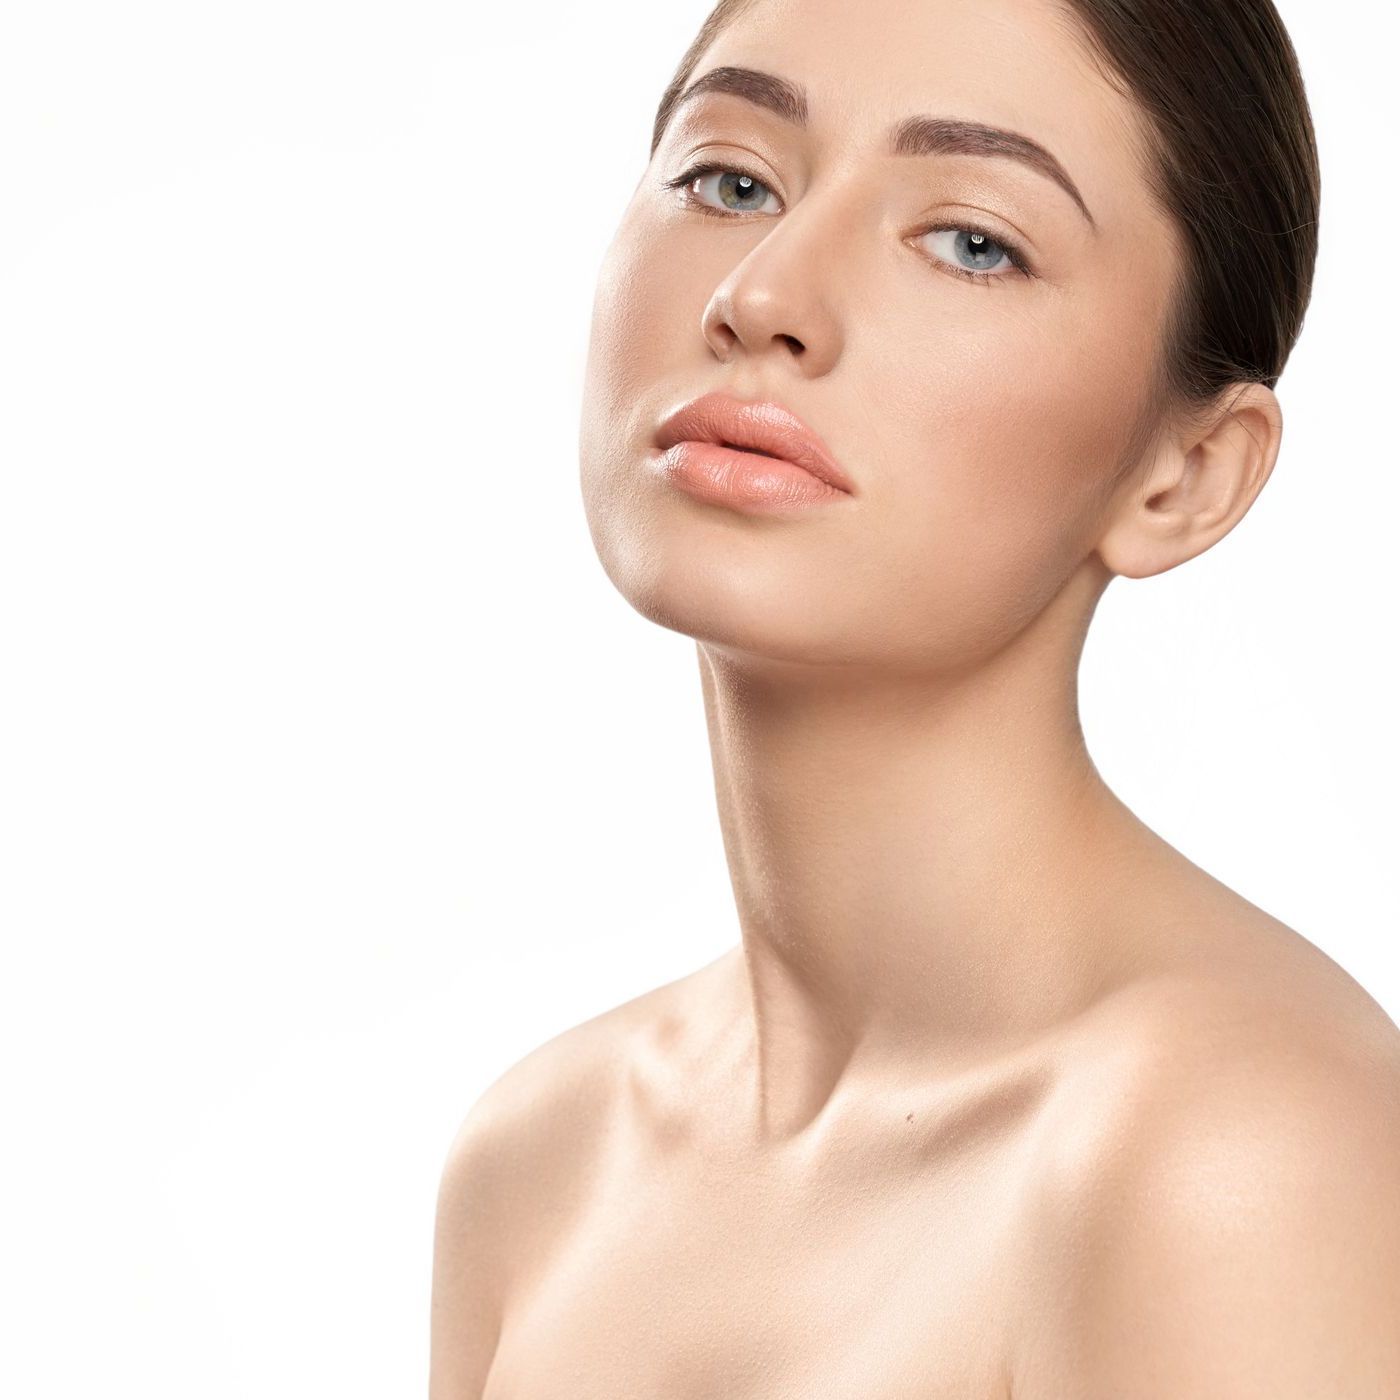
point(923, 868)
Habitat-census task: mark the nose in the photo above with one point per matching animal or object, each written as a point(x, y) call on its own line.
point(780, 298)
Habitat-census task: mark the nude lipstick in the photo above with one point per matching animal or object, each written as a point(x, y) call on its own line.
point(751, 456)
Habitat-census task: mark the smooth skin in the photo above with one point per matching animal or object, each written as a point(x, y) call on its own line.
point(1000, 1095)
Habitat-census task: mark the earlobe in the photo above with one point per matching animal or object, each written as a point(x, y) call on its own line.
point(1198, 488)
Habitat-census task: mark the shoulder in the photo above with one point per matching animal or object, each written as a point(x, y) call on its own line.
point(543, 1108)
point(565, 1086)
point(510, 1171)
point(1237, 1230)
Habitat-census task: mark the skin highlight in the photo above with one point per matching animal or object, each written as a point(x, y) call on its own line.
point(899, 1140)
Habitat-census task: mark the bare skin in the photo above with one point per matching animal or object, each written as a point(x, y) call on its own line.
point(1000, 1094)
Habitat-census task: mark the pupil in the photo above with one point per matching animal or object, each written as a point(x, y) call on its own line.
point(979, 246)
point(734, 186)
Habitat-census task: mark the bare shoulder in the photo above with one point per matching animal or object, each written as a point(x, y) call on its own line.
point(542, 1114)
point(564, 1089)
point(516, 1169)
point(1229, 1222)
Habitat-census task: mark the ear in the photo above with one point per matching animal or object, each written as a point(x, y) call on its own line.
point(1198, 486)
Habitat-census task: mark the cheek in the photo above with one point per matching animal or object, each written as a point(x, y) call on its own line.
point(634, 316)
point(998, 442)
point(635, 311)
point(635, 327)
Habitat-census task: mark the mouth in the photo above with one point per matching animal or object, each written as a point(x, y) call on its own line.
point(761, 429)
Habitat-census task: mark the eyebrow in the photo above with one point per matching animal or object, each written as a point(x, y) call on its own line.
point(913, 136)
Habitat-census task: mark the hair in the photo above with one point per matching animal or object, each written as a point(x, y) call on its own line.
point(1230, 158)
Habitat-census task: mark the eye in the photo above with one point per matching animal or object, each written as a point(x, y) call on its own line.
point(737, 190)
point(974, 250)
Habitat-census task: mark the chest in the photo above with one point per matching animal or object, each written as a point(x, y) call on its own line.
point(847, 1290)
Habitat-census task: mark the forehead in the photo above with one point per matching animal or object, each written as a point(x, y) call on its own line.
point(1015, 64)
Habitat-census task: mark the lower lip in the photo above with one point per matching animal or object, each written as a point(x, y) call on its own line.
point(747, 481)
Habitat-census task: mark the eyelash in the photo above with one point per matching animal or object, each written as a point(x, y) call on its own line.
point(1013, 252)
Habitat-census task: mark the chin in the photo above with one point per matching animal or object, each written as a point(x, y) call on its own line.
point(727, 587)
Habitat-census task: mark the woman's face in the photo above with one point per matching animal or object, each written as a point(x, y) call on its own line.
point(980, 420)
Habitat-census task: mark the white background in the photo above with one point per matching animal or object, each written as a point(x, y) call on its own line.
point(334, 776)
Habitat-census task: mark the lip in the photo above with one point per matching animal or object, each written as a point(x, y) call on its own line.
point(754, 426)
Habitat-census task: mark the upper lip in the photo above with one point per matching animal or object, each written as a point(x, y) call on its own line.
point(761, 426)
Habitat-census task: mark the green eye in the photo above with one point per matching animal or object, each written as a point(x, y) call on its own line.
point(739, 191)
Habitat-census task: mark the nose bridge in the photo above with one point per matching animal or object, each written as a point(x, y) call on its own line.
point(790, 283)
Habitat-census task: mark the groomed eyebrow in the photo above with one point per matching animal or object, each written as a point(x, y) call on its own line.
point(913, 136)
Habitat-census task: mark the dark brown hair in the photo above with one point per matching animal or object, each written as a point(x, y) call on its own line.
point(1231, 160)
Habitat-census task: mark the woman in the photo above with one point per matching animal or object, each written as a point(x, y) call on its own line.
point(999, 1095)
